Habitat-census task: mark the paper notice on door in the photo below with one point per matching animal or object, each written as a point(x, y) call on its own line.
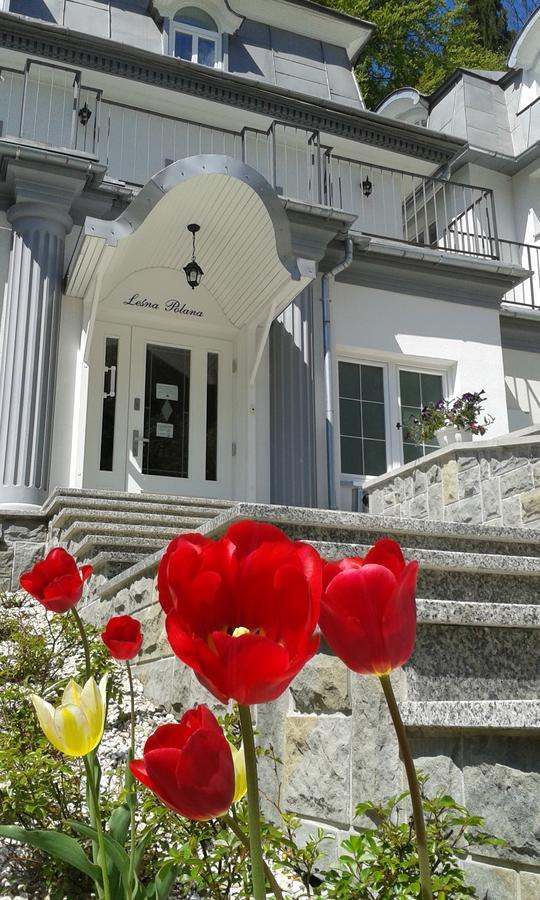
point(166, 391)
point(164, 430)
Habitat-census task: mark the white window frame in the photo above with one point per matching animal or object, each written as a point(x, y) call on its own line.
point(392, 406)
point(196, 33)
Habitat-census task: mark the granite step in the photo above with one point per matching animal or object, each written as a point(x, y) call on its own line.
point(122, 522)
point(320, 525)
point(477, 715)
point(88, 549)
point(119, 530)
point(109, 511)
point(102, 499)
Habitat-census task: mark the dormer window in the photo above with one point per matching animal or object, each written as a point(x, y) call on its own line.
point(195, 37)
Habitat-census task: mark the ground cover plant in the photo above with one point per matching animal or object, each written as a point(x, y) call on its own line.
point(244, 613)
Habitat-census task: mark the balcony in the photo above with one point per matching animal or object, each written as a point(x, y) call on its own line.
point(49, 105)
point(526, 294)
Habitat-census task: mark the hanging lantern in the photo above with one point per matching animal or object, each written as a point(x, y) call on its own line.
point(85, 114)
point(367, 187)
point(193, 271)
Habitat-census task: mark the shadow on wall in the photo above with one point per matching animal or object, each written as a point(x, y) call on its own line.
point(53, 10)
point(38, 9)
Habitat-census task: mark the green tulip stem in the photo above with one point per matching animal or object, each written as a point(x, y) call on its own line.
point(133, 784)
point(416, 799)
point(99, 828)
point(254, 813)
point(85, 643)
point(235, 828)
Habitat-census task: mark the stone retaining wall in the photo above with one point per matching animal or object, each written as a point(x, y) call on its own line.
point(22, 543)
point(479, 483)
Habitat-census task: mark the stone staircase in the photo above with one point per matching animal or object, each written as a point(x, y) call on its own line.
point(469, 695)
point(112, 531)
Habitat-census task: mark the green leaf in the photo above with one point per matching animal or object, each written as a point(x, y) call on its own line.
point(119, 823)
point(56, 844)
point(165, 880)
point(115, 852)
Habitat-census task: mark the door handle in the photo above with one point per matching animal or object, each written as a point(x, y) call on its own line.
point(137, 439)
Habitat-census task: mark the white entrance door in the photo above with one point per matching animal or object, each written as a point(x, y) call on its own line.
point(159, 413)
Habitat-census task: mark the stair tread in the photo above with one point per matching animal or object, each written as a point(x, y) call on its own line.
point(60, 495)
point(148, 520)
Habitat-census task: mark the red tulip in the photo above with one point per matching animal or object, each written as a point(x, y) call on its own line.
point(123, 637)
point(189, 766)
point(56, 581)
point(242, 611)
point(368, 609)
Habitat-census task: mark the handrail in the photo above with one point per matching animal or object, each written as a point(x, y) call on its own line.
point(135, 143)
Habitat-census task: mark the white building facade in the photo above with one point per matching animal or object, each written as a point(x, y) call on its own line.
point(355, 264)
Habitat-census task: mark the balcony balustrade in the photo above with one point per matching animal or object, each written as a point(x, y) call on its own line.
point(49, 105)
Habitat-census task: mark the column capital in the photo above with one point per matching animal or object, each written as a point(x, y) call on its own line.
point(44, 194)
point(46, 216)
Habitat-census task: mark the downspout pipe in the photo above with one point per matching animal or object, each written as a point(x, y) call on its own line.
point(329, 370)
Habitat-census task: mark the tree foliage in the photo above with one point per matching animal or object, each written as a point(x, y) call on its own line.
point(417, 43)
point(492, 20)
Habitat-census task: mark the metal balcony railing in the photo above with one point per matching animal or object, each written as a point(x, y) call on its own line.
point(528, 256)
point(50, 105)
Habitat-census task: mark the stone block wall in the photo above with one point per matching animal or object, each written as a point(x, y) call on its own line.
point(479, 483)
point(22, 543)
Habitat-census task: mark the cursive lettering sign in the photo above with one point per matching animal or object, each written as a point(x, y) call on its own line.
point(174, 306)
point(135, 301)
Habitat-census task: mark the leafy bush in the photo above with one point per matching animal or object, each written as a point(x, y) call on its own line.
point(39, 787)
point(381, 863)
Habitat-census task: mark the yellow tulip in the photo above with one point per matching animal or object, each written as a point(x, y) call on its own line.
point(240, 778)
point(76, 726)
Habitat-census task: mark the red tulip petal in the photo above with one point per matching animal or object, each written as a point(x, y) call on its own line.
point(332, 569)
point(59, 562)
point(86, 571)
point(248, 536)
point(399, 619)
point(247, 667)
point(386, 552)
point(351, 615)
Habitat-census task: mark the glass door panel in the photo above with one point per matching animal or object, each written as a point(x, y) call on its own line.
point(362, 419)
point(417, 389)
point(166, 412)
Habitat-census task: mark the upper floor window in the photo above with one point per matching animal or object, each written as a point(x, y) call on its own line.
point(196, 37)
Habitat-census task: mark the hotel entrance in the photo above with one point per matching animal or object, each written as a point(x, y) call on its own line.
point(159, 416)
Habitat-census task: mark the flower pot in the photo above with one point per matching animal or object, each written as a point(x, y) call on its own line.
point(451, 434)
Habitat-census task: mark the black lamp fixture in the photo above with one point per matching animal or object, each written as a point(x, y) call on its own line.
point(193, 271)
point(367, 187)
point(85, 114)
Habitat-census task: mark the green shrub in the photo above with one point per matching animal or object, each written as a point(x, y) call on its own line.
point(381, 863)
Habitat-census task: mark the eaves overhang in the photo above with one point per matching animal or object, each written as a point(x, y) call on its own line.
point(72, 48)
point(498, 162)
point(425, 272)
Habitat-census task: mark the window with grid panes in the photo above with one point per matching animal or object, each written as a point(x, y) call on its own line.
point(416, 390)
point(362, 419)
point(196, 37)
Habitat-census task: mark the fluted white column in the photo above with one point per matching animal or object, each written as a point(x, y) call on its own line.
point(28, 349)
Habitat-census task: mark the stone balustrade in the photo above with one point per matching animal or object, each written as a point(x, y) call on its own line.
point(484, 482)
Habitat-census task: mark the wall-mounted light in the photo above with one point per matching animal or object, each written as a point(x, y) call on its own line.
point(193, 271)
point(367, 187)
point(85, 114)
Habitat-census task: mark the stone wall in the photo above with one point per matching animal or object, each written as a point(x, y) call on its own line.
point(484, 482)
point(22, 542)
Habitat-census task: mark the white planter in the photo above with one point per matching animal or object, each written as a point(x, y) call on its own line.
point(451, 434)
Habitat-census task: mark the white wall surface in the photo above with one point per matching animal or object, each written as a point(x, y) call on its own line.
point(464, 340)
point(5, 249)
point(522, 376)
point(66, 399)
